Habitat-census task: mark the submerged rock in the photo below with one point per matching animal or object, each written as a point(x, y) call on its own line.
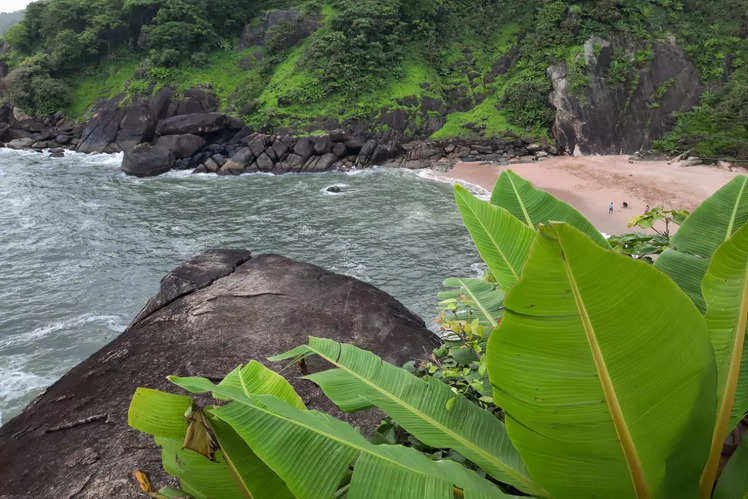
point(211, 314)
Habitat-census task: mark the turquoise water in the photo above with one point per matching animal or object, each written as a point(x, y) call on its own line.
point(82, 247)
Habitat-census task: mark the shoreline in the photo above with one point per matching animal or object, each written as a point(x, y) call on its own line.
point(590, 183)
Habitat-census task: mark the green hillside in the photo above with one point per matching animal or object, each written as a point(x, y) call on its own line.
point(481, 64)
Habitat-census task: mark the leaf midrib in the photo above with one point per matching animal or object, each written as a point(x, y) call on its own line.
point(495, 244)
point(477, 302)
point(519, 200)
point(345, 443)
point(722, 421)
point(611, 397)
point(489, 457)
point(734, 214)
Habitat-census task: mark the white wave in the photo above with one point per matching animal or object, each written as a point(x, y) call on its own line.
point(475, 189)
point(113, 323)
point(16, 385)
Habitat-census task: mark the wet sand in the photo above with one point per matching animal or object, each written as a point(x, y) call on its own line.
point(590, 183)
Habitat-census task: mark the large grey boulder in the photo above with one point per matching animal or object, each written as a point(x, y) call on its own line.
point(100, 133)
point(137, 125)
point(608, 116)
point(212, 314)
point(145, 160)
point(197, 124)
point(182, 146)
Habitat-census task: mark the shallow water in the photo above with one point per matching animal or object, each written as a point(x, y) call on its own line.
point(83, 247)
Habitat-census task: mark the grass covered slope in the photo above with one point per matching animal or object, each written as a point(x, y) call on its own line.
point(449, 68)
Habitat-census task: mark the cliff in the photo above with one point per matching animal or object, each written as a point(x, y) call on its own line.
point(609, 76)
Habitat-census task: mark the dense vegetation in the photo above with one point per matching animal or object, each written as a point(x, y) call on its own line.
point(482, 63)
point(615, 378)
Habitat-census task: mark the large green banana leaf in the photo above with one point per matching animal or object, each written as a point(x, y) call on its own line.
point(725, 289)
point(428, 409)
point(482, 300)
point(237, 471)
point(711, 224)
point(733, 483)
point(605, 371)
point(312, 451)
point(533, 206)
point(501, 239)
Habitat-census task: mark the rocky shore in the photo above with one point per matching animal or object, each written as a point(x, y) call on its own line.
point(186, 132)
point(74, 441)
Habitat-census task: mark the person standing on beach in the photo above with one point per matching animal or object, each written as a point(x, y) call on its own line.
point(610, 208)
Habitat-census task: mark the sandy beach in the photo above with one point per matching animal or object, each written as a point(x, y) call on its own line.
point(590, 183)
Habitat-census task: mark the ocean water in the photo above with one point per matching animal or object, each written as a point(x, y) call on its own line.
point(82, 246)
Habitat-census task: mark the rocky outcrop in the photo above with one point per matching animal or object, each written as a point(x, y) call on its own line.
point(145, 160)
point(73, 441)
point(280, 28)
point(603, 110)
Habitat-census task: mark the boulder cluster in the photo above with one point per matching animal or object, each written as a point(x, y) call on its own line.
point(186, 132)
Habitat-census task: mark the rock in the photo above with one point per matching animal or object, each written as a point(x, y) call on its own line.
point(280, 149)
point(197, 124)
point(211, 165)
point(243, 156)
point(610, 118)
point(691, 161)
point(102, 129)
point(137, 125)
point(281, 28)
point(264, 163)
point(20, 115)
point(293, 162)
point(304, 147)
point(354, 144)
point(397, 119)
point(257, 143)
point(322, 145)
point(340, 150)
point(160, 102)
point(200, 169)
point(195, 326)
point(334, 189)
point(339, 136)
point(231, 167)
point(23, 143)
point(63, 139)
point(366, 152)
point(323, 163)
point(182, 146)
point(145, 160)
point(196, 101)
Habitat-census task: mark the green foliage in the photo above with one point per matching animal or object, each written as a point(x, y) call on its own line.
point(34, 90)
point(718, 127)
point(601, 365)
point(709, 226)
point(527, 104)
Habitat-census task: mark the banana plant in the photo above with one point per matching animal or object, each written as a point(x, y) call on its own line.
point(474, 299)
point(613, 381)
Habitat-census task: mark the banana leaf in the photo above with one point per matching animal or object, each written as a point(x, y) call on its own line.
point(501, 239)
point(236, 470)
point(710, 225)
point(313, 451)
point(484, 300)
point(428, 409)
point(607, 384)
point(533, 206)
point(733, 483)
point(725, 289)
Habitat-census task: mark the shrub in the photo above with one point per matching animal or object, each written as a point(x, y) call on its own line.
point(527, 103)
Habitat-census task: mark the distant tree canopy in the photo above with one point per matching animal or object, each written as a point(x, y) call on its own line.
point(8, 19)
